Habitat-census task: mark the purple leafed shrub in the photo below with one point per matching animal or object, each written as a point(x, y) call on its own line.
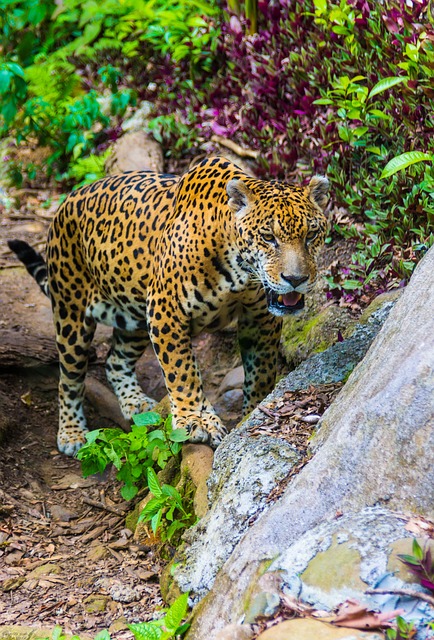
point(263, 92)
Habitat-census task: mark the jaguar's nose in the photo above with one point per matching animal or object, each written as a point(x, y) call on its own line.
point(293, 280)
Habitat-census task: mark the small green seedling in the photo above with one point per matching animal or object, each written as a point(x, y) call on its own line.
point(166, 511)
point(167, 627)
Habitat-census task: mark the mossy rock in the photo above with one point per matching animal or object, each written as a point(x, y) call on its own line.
point(311, 332)
point(336, 568)
point(132, 518)
point(169, 588)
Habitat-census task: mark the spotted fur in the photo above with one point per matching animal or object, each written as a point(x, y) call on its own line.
point(162, 258)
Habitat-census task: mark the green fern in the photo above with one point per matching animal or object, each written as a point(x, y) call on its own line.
point(89, 169)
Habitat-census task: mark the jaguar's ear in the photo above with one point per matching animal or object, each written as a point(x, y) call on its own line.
point(239, 196)
point(318, 191)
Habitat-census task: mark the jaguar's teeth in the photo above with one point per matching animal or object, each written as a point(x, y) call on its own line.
point(280, 299)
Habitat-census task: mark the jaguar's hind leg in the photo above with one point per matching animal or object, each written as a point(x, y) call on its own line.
point(74, 336)
point(127, 347)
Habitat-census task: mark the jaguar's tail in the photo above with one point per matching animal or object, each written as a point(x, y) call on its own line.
point(33, 261)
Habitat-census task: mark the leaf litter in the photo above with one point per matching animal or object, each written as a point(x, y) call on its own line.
point(65, 551)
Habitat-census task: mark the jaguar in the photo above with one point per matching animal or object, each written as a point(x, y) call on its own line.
point(161, 258)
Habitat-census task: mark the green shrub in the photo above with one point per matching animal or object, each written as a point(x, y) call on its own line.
point(132, 453)
point(52, 79)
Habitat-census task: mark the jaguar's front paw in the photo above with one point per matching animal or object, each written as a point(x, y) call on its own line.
point(205, 429)
point(70, 439)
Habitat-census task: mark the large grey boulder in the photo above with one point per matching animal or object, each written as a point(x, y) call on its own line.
point(244, 473)
point(375, 447)
point(247, 468)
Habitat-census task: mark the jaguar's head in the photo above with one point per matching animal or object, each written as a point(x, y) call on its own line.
point(279, 230)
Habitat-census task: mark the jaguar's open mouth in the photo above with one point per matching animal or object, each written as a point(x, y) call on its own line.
point(283, 304)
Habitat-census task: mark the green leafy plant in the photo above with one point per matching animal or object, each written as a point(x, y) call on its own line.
point(167, 627)
point(89, 169)
point(172, 132)
point(13, 90)
point(58, 634)
point(167, 511)
point(405, 160)
point(404, 630)
point(357, 114)
point(50, 89)
point(132, 453)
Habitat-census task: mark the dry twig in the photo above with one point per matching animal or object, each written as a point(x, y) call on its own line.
point(404, 592)
point(104, 507)
point(233, 146)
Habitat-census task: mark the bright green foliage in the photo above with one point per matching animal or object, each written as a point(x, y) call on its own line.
point(13, 89)
point(167, 511)
point(170, 626)
point(89, 169)
point(405, 160)
point(404, 630)
point(50, 91)
point(132, 453)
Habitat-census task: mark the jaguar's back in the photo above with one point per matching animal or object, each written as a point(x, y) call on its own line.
point(104, 235)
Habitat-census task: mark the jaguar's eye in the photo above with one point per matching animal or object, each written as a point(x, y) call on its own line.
point(269, 238)
point(311, 235)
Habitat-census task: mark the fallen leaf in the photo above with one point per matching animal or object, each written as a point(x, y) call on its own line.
point(356, 616)
point(26, 399)
point(420, 526)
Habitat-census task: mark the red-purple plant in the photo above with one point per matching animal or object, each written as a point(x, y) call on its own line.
point(421, 564)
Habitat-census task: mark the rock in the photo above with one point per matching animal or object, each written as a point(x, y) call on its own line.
point(18, 632)
point(139, 120)
point(135, 151)
point(59, 512)
point(308, 629)
point(10, 584)
point(340, 558)
point(44, 570)
point(233, 380)
point(264, 605)
point(105, 402)
point(338, 361)
point(240, 461)
point(235, 632)
point(121, 624)
point(97, 552)
point(119, 591)
point(312, 330)
point(244, 472)
point(375, 446)
point(95, 603)
point(229, 407)
point(196, 464)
